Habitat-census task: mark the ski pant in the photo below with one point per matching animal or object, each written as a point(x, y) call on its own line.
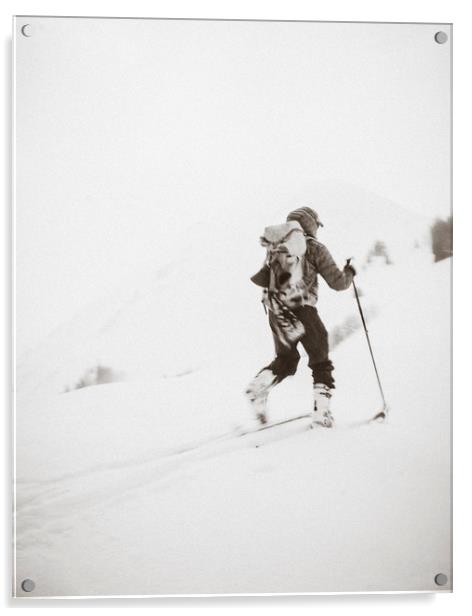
point(315, 343)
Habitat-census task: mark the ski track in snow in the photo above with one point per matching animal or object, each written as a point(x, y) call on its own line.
point(51, 502)
point(83, 491)
point(59, 498)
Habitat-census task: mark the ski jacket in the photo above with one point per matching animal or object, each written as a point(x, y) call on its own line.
point(317, 260)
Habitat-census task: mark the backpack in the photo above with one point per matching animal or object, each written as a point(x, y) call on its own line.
point(287, 238)
point(286, 247)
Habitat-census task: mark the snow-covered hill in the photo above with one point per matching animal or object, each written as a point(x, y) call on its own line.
point(194, 305)
point(142, 487)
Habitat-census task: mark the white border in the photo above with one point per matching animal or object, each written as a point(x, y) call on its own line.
point(454, 11)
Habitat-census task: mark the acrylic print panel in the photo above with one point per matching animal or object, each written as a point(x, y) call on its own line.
point(150, 155)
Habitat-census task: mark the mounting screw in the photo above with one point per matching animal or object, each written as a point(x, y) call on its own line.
point(441, 579)
point(440, 37)
point(26, 30)
point(28, 585)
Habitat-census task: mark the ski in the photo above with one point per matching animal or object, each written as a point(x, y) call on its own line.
point(274, 424)
point(379, 417)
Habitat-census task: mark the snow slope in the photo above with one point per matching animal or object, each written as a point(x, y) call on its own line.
point(171, 316)
point(142, 487)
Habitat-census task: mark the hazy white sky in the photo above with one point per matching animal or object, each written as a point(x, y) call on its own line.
point(129, 132)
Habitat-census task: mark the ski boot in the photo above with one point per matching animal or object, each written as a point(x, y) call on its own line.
point(258, 392)
point(321, 413)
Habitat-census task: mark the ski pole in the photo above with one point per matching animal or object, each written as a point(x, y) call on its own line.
point(384, 410)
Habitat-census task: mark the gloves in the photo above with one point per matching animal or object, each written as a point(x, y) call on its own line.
point(350, 268)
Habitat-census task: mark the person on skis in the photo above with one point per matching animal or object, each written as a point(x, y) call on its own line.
point(298, 320)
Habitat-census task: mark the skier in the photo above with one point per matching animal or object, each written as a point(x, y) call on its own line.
point(299, 321)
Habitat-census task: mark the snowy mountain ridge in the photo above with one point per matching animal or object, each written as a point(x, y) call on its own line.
point(171, 319)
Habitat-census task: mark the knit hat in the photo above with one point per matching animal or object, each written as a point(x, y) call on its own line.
point(308, 219)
